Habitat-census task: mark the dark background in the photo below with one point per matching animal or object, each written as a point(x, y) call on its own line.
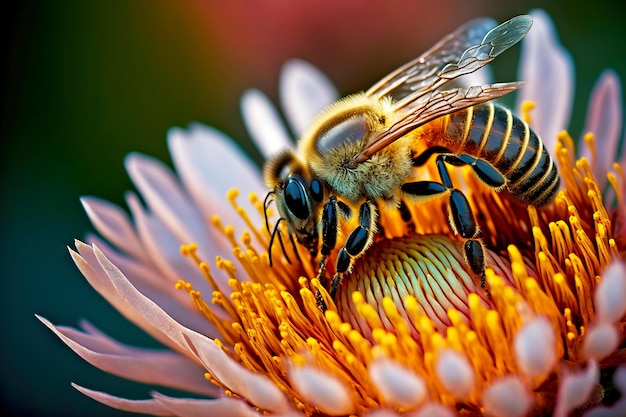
point(86, 82)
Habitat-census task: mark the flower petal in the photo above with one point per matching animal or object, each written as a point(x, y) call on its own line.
point(190, 407)
point(89, 266)
point(264, 124)
point(455, 373)
point(150, 283)
point(142, 306)
point(163, 246)
point(254, 387)
point(399, 386)
point(151, 407)
point(321, 390)
point(210, 164)
point(114, 225)
point(167, 199)
point(148, 366)
point(507, 397)
point(575, 389)
point(259, 390)
point(601, 339)
point(609, 299)
point(535, 347)
point(304, 92)
point(544, 62)
point(604, 120)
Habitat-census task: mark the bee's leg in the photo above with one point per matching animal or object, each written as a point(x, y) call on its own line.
point(356, 244)
point(460, 210)
point(462, 219)
point(422, 158)
point(406, 216)
point(331, 212)
point(486, 172)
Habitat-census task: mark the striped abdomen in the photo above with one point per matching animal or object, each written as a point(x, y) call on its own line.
point(494, 134)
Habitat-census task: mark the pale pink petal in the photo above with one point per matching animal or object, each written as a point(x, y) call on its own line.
point(114, 225)
point(144, 307)
point(89, 266)
point(619, 407)
point(146, 277)
point(575, 389)
point(398, 385)
point(175, 302)
point(455, 373)
point(535, 347)
point(321, 390)
point(210, 164)
point(264, 124)
point(189, 407)
point(148, 366)
point(507, 397)
point(604, 120)
point(258, 389)
point(164, 249)
point(151, 407)
point(609, 298)
point(167, 199)
point(601, 339)
point(254, 387)
point(548, 71)
point(432, 410)
point(304, 92)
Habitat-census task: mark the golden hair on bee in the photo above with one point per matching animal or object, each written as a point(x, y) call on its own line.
point(338, 135)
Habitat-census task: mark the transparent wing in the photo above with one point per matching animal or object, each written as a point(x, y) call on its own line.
point(417, 74)
point(432, 106)
point(469, 48)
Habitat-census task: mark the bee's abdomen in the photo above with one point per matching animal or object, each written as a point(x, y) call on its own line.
point(494, 134)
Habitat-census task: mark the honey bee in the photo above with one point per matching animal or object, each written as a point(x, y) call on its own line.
point(360, 151)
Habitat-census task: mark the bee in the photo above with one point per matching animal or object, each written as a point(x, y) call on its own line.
point(360, 151)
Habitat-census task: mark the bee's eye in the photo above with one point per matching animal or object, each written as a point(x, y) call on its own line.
point(316, 190)
point(350, 130)
point(296, 199)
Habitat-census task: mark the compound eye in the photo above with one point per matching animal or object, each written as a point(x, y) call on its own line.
point(296, 199)
point(316, 190)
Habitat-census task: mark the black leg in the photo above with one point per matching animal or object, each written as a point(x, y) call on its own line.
point(461, 217)
point(357, 243)
point(332, 211)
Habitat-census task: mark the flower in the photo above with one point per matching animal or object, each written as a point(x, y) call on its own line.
point(410, 331)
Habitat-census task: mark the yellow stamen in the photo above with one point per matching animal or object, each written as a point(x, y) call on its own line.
point(526, 108)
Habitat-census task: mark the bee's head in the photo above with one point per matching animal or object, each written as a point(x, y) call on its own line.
point(297, 196)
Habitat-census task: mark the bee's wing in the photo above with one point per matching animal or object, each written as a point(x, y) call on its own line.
point(432, 106)
point(415, 85)
point(469, 48)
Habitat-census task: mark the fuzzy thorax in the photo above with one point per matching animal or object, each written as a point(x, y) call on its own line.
point(380, 177)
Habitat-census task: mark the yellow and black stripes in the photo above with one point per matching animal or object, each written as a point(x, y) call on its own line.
point(493, 134)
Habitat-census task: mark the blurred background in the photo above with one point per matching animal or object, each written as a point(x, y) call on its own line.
point(86, 82)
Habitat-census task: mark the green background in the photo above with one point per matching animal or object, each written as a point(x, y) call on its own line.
point(86, 82)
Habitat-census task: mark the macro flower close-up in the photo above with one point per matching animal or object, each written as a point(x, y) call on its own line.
point(208, 266)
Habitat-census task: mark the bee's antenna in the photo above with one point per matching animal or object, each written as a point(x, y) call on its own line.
point(275, 232)
point(266, 204)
